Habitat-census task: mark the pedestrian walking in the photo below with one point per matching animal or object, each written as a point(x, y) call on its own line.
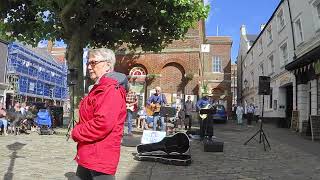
point(189, 107)
point(239, 113)
point(250, 113)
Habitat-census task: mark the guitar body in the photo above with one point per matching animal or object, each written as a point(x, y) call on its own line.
point(203, 116)
point(132, 108)
point(178, 143)
point(153, 108)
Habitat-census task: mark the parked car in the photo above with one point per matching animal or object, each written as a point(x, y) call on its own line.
point(220, 115)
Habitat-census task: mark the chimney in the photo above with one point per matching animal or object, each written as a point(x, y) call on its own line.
point(262, 27)
point(243, 30)
point(50, 45)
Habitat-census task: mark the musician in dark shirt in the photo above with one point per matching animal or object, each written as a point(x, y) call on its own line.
point(206, 124)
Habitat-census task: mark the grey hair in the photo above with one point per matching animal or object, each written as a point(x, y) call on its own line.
point(104, 54)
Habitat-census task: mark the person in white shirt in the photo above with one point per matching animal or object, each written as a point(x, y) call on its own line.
point(239, 113)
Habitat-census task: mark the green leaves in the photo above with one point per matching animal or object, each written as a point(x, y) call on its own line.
point(146, 24)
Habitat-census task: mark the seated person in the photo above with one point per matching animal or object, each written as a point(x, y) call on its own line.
point(142, 115)
point(148, 123)
point(3, 121)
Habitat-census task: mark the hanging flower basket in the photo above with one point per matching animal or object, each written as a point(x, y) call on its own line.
point(189, 76)
point(153, 76)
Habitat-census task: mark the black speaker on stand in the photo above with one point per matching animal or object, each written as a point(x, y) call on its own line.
point(264, 89)
point(72, 81)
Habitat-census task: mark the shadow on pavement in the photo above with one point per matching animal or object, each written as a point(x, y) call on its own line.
point(15, 147)
point(70, 175)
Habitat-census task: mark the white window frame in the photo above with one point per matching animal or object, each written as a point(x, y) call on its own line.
point(251, 56)
point(299, 31)
point(260, 46)
point(269, 34)
point(216, 61)
point(316, 12)
point(271, 62)
point(284, 60)
point(280, 19)
point(261, 66)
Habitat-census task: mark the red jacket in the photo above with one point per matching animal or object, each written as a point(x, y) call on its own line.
point(99, 131)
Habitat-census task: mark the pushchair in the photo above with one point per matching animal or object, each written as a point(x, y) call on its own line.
point(44, 122)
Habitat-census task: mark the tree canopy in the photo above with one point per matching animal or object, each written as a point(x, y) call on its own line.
point(146, 24)
point(149, 24)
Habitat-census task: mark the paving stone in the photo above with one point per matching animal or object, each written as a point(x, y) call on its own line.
point(51, 157)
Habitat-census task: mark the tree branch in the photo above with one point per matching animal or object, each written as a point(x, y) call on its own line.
point(65, 16)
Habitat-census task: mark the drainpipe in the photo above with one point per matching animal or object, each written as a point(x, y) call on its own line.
point(292, 31)
point(294, 49)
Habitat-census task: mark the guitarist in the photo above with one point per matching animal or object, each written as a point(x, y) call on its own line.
point(132, 104)
point(203, 103)
point(160, 99)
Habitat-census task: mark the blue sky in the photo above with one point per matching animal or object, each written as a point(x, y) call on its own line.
point(229, 15)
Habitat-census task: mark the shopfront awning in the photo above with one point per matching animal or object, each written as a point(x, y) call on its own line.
point(308, 58)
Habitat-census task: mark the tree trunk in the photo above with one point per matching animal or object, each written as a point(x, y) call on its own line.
point(74, 56)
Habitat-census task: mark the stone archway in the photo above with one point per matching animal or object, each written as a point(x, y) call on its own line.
point(172, 78)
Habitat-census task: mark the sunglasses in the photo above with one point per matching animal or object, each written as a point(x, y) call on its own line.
point(93, 63)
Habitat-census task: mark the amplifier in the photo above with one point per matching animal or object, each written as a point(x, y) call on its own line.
point(212, 146)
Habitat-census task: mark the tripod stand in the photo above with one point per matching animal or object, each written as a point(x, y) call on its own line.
point(72, 120)
point(263, 138)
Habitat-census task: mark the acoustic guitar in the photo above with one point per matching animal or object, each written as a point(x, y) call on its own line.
point(203, 116)
point(132, 107)
point(153, 108)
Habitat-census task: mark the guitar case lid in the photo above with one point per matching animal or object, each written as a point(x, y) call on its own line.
point(178, 143)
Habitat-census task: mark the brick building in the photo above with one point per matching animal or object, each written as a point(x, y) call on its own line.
point(217, 69)
point(175, 69)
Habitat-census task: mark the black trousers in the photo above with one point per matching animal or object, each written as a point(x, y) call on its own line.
point(250, 118)
point(188, 120)
point(87, 174)
point(206, 127)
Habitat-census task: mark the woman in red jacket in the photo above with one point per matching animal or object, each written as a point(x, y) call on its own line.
point(101, 119)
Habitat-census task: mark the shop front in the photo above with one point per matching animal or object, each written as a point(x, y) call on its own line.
point(307, 94)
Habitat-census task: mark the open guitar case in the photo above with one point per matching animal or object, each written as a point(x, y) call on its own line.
point(172, 150)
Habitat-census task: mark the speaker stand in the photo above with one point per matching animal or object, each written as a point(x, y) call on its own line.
point(263, 138)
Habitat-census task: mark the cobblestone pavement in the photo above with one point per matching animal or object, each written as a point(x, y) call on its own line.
point(33, 157)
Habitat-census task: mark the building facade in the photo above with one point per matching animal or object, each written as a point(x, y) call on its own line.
point(34, 75)
point(305, 67)
point(3, 69)
point(217, 70)
point(246, 41)
point(285, 50)
point(175, 69)
point(234, 83)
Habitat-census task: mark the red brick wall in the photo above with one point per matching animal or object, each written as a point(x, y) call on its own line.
point(220, 83)
point(171, 66)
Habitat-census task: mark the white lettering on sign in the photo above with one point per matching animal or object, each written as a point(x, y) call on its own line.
point(150, 136)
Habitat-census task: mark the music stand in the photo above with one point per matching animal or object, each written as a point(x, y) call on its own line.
point(209, 113)
point(167, 112)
